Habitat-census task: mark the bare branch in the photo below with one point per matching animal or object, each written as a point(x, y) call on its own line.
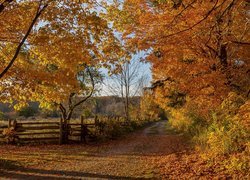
point(241, 43)
point(91, 92)
point(197, 23)
point(62, 108)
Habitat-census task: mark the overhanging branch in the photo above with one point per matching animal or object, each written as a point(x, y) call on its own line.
point(38, 13)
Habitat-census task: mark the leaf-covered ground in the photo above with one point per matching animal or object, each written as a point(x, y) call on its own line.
point(156, 152)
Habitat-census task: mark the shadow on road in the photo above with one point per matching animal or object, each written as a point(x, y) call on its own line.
point(9, 169)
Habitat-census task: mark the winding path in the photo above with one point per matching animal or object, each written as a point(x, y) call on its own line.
point(156, 152)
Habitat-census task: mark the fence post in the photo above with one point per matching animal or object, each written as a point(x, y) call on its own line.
point(14, 125)
point(84, 131)
point(9, 124)
point(96, 121)
point(81, 129)
point(96, 125)
point(61, 132)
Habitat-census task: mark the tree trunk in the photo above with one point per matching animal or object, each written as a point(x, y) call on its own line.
point(223, 55)
point(127, 109)
point(66, 116)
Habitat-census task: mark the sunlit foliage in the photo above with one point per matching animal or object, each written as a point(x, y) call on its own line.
point(67, 38)
point(200, 57)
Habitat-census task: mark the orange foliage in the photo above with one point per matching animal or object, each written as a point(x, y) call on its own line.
point(67, 37)
point(197, 48)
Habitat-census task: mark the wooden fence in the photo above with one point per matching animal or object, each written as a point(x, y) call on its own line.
point(28, 132)
point(2, 127)
point(56, 132)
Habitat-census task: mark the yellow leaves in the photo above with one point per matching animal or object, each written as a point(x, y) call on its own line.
point(68, 36)
point(188, 45)
point(47, 105)
point(208, 90)
point(244, 114)
point(232, 103)
point(179, 120)
point(20, 105)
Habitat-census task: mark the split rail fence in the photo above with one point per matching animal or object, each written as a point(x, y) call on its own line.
point(51, 131)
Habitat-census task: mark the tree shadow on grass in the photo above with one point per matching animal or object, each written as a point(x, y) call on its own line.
point(11, 169)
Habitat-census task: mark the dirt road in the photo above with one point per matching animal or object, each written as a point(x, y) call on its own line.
point(156, 152)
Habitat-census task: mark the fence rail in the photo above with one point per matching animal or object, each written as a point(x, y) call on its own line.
point(25, 132)
point(60, 132)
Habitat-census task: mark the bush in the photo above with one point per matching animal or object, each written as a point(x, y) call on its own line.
point(112, 127)
point(149, 110)
point(238, 162)
point(10, 135)
point(224, 134)
point(27, 112)
point(109, 128)
point(179, 120)
point(226, 137)
point(87, 113)
point(187, 121)
point(2, 116)
point(49, 113)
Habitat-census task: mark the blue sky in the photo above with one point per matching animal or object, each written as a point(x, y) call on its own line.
point(144, 70)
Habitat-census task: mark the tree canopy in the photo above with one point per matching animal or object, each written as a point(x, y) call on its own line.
point(51, 49)
point(199, 49)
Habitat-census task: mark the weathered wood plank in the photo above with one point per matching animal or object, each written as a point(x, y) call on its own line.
point(39, 139)
point(76, 129)
point(37, 133)
point(3, 126)
point(90, 124)
point(22, 129)
point(35, 123)
point(76, 134)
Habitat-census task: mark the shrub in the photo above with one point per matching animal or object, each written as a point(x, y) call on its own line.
point(239, 162)
point(2, 116)
point(10, 135)
point(87, 113)
point(179, 120)
point(227, 135)
point(187, 121)
point(49, 113)
point(27, 112)
point(223, 134)
point(112, 127)
point(149, 110)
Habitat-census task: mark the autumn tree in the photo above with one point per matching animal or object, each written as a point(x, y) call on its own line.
point(88, 79)
point(200, 63)
point(68, 38)
point(8, 36)
point(198, 49)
